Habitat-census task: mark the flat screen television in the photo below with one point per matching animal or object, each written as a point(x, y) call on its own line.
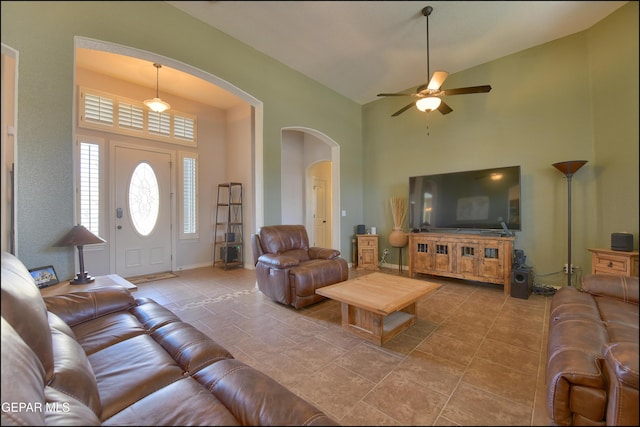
point(465, 201)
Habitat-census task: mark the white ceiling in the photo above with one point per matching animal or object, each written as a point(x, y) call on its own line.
point(362, 48)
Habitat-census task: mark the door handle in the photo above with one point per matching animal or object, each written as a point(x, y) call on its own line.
point(119, 213)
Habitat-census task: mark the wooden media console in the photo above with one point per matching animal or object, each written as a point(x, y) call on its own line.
point(474, 257)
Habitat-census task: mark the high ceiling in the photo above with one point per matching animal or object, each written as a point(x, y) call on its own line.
point(362, 48)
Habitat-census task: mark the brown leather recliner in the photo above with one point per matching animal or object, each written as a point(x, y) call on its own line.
point(288, 270)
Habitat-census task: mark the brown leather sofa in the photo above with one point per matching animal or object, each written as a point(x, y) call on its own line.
point(105, 358)
point(288, 270)
point(592, 356)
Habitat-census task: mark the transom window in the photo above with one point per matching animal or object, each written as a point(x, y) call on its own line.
point(112, 113)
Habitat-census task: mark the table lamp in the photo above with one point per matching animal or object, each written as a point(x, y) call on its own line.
point(79, 236)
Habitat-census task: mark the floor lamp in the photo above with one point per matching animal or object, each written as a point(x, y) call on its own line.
point(569, 168)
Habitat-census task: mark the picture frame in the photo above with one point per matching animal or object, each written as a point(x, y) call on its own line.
point(44, 276)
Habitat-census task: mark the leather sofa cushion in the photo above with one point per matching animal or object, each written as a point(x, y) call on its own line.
point(620, 319)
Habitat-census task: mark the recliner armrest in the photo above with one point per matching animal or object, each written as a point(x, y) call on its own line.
point(323, 253)
point(278, 261)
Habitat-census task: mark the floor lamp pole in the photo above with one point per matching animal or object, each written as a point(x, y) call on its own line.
point(569, 168)
point(569, 265)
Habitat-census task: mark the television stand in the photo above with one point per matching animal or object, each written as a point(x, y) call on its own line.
point(477, 257)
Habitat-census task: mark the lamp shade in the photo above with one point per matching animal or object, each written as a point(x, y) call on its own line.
point(428, 104)
point(569, 167)
point(157, 105)
point(79, 236)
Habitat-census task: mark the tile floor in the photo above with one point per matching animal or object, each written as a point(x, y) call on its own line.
point(474, 357)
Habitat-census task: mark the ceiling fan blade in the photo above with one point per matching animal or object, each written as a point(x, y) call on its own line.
point(396, 94)
point(437, 80)
point(464, 90)
point(444, 108)
point(403, 109)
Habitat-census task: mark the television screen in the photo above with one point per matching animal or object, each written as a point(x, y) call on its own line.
point(470, 200)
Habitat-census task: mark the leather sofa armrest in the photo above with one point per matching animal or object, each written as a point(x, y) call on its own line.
point(77, 307)
point(278, 261)
point(622, 357)
point(323, 253)
point(621, 370)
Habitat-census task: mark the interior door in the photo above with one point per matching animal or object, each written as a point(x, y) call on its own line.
point(142, 211)
point(320, 212)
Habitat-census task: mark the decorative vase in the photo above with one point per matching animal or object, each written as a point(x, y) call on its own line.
point(398, 238)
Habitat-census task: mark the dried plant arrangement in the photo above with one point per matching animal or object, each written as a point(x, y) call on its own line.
point(398, 210)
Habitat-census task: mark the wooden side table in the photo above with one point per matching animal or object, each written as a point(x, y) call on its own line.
point(367, 251)
point(617, 263)
point(100, 282)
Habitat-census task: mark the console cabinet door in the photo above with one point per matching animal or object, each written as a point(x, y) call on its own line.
point(492, 258)
point(443, 256)
point(422, 253)
point(467, 258)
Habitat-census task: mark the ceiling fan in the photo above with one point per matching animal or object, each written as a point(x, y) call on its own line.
point(429, 95)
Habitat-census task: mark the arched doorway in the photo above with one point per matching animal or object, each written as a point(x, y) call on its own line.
point(251, 175)
point(304, 153)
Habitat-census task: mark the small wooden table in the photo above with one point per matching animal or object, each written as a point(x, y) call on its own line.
point(99, 282)
point(378, 306)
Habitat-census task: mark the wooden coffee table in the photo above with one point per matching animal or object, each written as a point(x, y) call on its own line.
point(378, 306)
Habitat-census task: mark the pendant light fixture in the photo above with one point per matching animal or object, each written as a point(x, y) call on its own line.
point(156, 104)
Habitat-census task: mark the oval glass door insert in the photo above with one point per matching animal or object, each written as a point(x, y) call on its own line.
point(144, 199)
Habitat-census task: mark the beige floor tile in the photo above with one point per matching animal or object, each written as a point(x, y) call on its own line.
point(470, 406)
point(474, 356)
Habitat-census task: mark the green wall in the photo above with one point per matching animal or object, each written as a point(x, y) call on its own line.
point(613, 65)
point(573, 98)
point(43, 34)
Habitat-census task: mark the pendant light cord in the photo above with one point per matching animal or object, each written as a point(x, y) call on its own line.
point(157, 79)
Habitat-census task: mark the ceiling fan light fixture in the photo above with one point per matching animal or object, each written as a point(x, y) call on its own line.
point(156, 104)
point(429, 103)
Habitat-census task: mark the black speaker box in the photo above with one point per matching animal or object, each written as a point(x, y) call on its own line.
point(360, 229)
point(521, 282)
point(622, 242)
point(229, 253)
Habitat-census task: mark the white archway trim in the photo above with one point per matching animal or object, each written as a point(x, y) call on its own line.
point(258, 170)
point(335, 179)
point(258, 107)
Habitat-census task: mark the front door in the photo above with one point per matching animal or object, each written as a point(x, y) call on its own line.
point(142, 211)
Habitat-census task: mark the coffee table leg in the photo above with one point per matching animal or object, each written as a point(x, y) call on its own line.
point(370, 326)
point(363, 323)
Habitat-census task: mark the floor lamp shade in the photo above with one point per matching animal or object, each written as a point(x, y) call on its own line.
point(568, 168)
point(79, 236)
